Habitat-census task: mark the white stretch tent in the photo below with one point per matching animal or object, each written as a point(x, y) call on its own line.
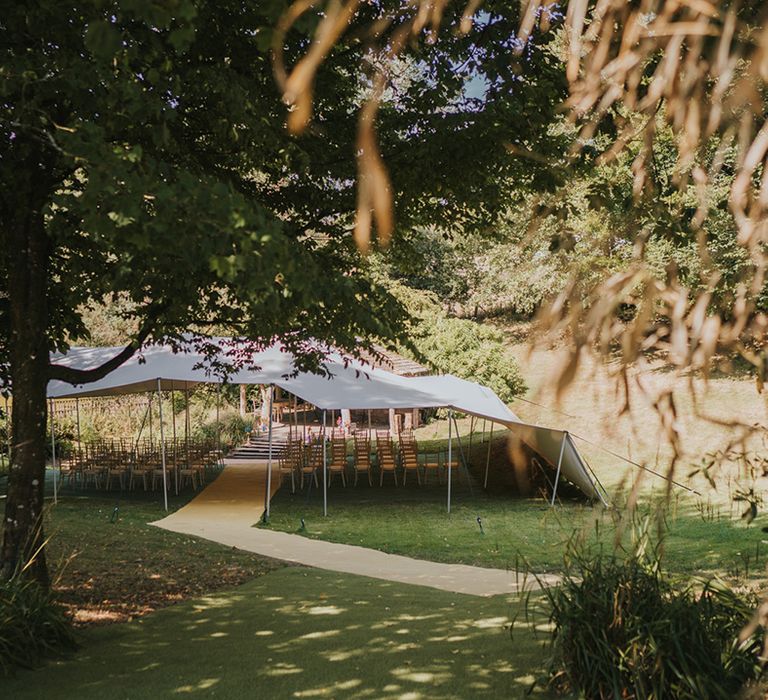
point(347, 385)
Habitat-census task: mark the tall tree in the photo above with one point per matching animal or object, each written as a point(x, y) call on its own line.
point(144, 155)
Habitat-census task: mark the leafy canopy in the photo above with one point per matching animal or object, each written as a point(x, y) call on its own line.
point(151, 137)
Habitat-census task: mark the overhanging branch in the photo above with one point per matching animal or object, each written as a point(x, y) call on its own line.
point(73, 375)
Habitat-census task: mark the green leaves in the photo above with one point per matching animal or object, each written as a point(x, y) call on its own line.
point(103, 39)
point(460, 346)
point(181, 38)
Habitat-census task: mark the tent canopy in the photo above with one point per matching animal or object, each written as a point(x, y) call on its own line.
point(347, 384)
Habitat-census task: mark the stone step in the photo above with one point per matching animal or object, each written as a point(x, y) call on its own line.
point(257, 447)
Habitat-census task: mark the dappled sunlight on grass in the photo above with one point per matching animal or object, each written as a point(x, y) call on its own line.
point(406, 641)
point(109, 565)
point(204, 684)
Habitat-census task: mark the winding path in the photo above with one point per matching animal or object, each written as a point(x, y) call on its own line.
point(226, 510)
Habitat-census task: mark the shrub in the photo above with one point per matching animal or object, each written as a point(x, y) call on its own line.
point(232, 429)
point(621, 629)
point(32, 625)
point(470, 351)
point(458, 346)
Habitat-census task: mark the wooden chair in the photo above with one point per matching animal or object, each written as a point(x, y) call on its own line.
point(140, 470)
point(386, 457)
point(432, 463)
point(338, 463)
point(157, 477)
point(289, 460)
point(71, 467)
point(188, 475)
point(362, 456)
point(313, 463)
point(409, 457)
point(117, 466)
point(94, 465)
point(454, 464)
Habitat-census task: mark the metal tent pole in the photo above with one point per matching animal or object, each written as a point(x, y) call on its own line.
point(79, 441)
point(151, 436)
point(187, 431)
point(325, 472)
point(487, 457)
point(8, 429)
point(559, 465)
point(173, 438)
point(471, 432)
point(450, 448)
point(218, 422)
point(369, 426)
point(8, 426)
point(162, 446)
point(268, 493)
point(53, 455)
point(482, 434)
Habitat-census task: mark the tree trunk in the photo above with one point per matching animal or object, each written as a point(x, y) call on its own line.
point(29, 362)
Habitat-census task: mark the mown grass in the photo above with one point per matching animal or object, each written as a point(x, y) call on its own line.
point(518, 533)
point(304, 633)
point(109, 564)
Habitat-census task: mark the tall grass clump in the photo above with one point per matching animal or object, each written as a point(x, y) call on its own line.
point(621, 628)
point(32, 625)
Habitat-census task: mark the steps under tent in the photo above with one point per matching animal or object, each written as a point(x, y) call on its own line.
point(257, 445)
point(257, 449)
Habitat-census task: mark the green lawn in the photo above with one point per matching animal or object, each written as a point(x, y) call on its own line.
point(109, 564)
point(304, 633)
point(413, 521)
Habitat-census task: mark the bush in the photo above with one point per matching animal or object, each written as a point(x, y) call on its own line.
point(621, 629)
point(458, 346)
point(470, 351)
point(32, 625)
point(232, 428)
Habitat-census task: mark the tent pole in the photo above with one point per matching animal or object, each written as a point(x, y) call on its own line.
point(53, 454)
point(487, 457)
point(268, 492)
point(173, 436)
point(218, 423)
point(8, 429)
point(559, 465)
point(149, 408)
point(369, 426)
point(482, 435)
point(79, 441)
point(471, 431)
point(187, 431)
point(162, 446)
point(450, 448)
point(325, 471)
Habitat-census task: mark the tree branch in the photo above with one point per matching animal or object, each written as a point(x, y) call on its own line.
point(86, 376)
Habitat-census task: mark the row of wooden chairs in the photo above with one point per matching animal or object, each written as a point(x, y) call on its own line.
point(302, 461)
point(125, 463)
